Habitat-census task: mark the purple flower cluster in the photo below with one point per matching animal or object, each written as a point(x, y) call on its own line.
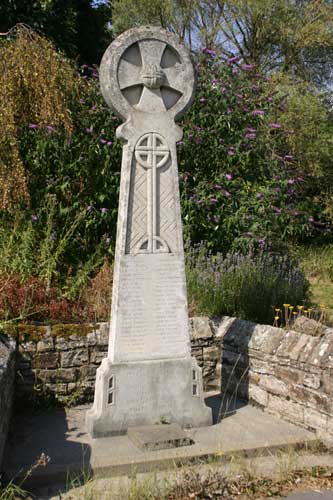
point(210, 52)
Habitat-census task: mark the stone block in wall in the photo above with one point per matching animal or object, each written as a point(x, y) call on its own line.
point(309, 326)
point(289, 409)
point(265, 338)
point(321, 353)
point(102, 335)
point(312, 398)
point(200, 328)
point(258, 394)
point(57, 388)
point(260, 366)
point(91, 339)
point(7, 376)
point(29, 346)
point(288, 342)
point(298, 348)
point(312, 380)
point(44, 360)
point(196, 351)
point(75, 357)
point(212, 353)
point(308, 349)
point(46, 376)
point(288, 374)
point(273, 385)
point(68, 374)
point(222, 326)
point(97, 356)
point(330, 425)
point(61, 344)
point(314, 419)
point(88, 372)
point(327, 381)
point(47, 344)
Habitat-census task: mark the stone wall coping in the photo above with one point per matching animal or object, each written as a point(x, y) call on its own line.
point(239, 334)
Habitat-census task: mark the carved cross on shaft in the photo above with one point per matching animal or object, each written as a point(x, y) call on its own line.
point(151, 153)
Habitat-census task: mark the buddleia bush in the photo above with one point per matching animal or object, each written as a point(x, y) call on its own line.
point(250, 176)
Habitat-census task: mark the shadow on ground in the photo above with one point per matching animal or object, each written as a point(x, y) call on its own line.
point(57, 437)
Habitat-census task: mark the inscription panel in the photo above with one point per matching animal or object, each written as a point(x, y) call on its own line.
point(152, 308)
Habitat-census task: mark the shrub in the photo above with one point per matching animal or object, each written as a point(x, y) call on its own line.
point(248, 286)
point(242, 184)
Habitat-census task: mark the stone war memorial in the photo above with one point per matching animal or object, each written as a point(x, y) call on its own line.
point(149, 376)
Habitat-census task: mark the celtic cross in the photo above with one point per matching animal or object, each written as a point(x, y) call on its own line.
point(147, 77)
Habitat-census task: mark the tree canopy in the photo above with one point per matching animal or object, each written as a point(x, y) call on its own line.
point(291, 36)
point(80, 28)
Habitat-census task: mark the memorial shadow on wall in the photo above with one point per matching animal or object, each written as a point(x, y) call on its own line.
point(235, 371)
point(40, 426)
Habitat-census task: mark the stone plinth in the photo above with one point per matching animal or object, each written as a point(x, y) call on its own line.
point(149, 375)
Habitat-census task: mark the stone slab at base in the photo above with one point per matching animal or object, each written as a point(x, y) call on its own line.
point(147, 393)
point(159, 437)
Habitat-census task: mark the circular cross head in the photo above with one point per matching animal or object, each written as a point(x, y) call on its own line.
point(149, 70)
point(151, 151)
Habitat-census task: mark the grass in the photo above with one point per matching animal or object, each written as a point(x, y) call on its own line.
point(317, 264)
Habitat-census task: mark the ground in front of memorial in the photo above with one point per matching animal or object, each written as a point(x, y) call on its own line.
point(248, 443)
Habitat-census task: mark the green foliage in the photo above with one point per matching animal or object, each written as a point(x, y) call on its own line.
point(79, 28)
point(36, 85)
point(316, 261)
point(247, 286)
point(295, 37)
point(241, 184)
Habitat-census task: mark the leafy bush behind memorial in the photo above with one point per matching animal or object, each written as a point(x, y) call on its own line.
point(243, 184)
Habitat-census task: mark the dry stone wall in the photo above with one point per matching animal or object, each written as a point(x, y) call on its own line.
point(7, 374)
point(286, 373)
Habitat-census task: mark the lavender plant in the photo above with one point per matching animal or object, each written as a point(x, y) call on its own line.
point(248, 286)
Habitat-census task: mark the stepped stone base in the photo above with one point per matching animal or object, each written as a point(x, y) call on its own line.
point(147, 393)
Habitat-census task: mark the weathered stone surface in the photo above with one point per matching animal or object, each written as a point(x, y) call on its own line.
point(259, 366)
point(314, 419)
point(327, 380)
point(7, 376)
point(308, 349)
point(75, 357)
point(67, 374)
point(159, 437)
point(149, 327)
point(212, 353)
point(321, 352)
point(288, 374)
point(97, 356)
point(292, 411)
point(200, 328)
point(311, 380)
point(102, 334)
point(265, 338)
point(258, 394)
point(45, 360)
point(61, 344)
point(289, 341)
point(273, 385)
point(45, 345)
point(309, 385)
point(308, 326)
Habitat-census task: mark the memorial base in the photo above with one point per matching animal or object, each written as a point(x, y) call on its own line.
point(147, 393)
